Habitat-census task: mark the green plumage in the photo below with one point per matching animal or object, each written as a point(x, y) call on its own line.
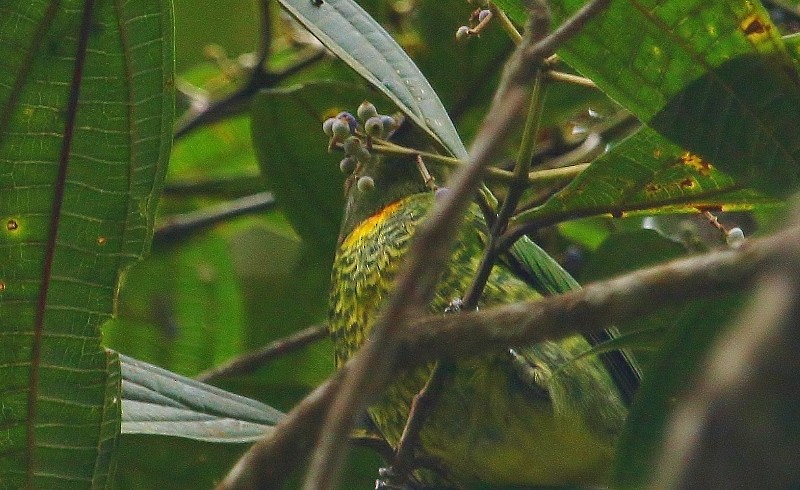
point(494, 424)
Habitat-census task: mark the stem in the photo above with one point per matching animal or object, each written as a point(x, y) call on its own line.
point(250, 361)
point(183, 225)
point(493, 174)
point(560, 76)
point(535, 218)
point(515, 191)
point(505, 23)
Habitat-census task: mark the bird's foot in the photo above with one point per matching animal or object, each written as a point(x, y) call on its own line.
point(530, 374)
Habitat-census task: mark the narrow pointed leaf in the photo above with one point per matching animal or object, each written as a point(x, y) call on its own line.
point(86, 111)
point(355, 37)
point(157, 401)
point(550, 276)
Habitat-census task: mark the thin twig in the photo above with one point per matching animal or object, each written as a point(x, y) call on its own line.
point(238, 101)
point(493, 174)
point(506, 23)
point(429, 252)
point(560, 76)
point(531, 56)
point(257, 77)
point(423, 404)
point(181, 226)
point(596, 306)
point(531, 220)
point(251, 361)
point(592, 309)
point(515, 191)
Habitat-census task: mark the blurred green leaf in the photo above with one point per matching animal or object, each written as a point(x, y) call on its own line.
point(676, 365)
point(199, 23)
point(182, 308)
point(614, 256)
point(157, 401)
point(173, 463)
point(588, 233)
point(220, 150)
point(355, 37)
point(86, 113)
point(183, 464)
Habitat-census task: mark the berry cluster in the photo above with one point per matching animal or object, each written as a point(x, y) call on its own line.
point(345, 131)
point(481, 17)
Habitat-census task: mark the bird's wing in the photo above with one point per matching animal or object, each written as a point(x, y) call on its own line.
point(542, 272)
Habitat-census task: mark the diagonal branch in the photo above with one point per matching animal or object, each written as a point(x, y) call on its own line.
point(259, 77)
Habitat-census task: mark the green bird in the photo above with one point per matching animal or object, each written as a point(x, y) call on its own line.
point(529, 416)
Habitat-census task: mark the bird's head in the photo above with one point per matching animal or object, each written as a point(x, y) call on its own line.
point(379, 162)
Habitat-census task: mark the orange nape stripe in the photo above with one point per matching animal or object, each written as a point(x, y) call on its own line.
point(366, 226)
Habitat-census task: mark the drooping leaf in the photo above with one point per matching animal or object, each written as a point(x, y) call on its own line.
point(548, 273)
point(157, 401)
point(86, 112)
point(355, 37)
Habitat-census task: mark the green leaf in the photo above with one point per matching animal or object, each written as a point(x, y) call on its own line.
point(157, 401)
point(220, 150)
point(174, 463)
point(86, 114)
point(551, 278)
point(645, 173)
point(713, 77)
point(754, 136)
point(355, 37)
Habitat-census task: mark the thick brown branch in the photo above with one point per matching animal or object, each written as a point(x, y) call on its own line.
point(596, 306)
point(591, 309)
